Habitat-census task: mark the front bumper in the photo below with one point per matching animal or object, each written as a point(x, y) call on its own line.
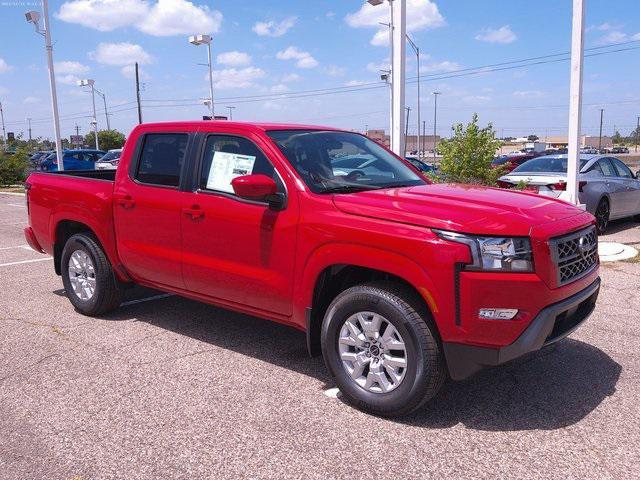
point(553, 323)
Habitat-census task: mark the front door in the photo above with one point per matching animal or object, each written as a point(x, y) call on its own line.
point(630, 186)
point(235, 250)
point(147, 206)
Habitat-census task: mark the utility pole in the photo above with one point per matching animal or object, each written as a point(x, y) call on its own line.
point(230, 112)
point(424, 135)
point(416, 49)
point(104, 101)
point(435, 122)
point(398, 73)
point(406, 131)
point(4, 130)
point(29, 120)
point(575, 100)
point(366, 130)
point(600, 137)
point(77, 127)
point(138, 94)
point(637, 132)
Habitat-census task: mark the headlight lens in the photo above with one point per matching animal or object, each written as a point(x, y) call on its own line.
point(505, 254)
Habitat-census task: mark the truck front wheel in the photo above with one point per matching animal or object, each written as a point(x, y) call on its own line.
point(379, 346)
point(87, 276)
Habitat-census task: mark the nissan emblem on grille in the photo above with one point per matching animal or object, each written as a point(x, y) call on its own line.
point(575, 255)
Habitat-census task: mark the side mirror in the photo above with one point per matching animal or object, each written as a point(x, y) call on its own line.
point(638, 174)
point(254, 187)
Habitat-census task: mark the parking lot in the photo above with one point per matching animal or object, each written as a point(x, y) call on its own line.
point(171, 388)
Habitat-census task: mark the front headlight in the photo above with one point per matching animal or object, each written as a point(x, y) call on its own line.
point(505, 254)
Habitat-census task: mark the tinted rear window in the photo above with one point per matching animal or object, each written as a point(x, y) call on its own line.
point(546, 165)
point(161, 158)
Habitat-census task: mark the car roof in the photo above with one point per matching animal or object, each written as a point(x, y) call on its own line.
point(264, 126)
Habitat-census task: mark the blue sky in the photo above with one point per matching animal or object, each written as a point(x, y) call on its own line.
point(265, 52)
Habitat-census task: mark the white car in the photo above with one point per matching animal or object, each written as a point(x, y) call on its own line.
point(109, 160)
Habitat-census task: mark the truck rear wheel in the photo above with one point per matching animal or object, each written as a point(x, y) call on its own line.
point(379, 346)
point(87, 276)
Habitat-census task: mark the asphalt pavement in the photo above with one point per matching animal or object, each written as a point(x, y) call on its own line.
point(171, 388)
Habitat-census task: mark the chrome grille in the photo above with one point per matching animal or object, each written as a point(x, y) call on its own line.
point(575, 255)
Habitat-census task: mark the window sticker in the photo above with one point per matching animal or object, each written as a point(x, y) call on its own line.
point(227, 166)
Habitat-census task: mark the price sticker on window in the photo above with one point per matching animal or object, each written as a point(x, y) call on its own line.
point(227, 166)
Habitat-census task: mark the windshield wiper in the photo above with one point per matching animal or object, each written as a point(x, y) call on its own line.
point(350, 188)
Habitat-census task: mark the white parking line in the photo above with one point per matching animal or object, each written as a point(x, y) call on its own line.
point(148, 299)
point(16, 205)
point(17, 246)
point(25, 261)
point(16, 194)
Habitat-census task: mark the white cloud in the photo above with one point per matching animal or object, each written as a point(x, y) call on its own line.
point(614, 37)
point(335, 71)
point(444, 66)
point(179, 17)
point(70, 67)
point(273, 28)
point(234, 59)
point(129, 71)
point(68, 79)
point(503, 34)
point(31, 100)
point(421, 14)
point(528, 93)
point(353, 83)
point(236, 78)
point(290, 77)
point(475, 99)
point(303, 59)
point(376, 67)
point(120, 54)
point(161, 18)
point(4, 66)
point(280, 88)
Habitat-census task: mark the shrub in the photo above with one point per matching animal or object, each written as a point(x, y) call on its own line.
point(13, 167)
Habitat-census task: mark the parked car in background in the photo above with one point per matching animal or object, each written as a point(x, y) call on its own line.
point(511, 161)
point(110, 160)
point(619, 150)
point(424, 167)
point(589, 150)
point(38, 157)
point(73, 160)
point(606, 185)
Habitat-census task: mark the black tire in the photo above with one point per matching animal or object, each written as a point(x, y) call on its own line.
point(108, 293)
point(603, 212)
point(425, 372)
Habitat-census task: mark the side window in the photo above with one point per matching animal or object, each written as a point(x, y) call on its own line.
point(161, 158)
point(227, 157)
point(621, 168)
point(607, 168)
point(596, 168)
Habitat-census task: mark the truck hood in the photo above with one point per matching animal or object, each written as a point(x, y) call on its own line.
point(460, 208)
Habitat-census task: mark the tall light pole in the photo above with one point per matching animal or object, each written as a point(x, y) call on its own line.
point(230, 112)
point(29, 121)
point(416, 49)
point(435, 122)
point(34, 17)
point(104, 101)
point(398, 31)
point(575, 100)
point(637, 132)
point(206, 40)
point(94, 122)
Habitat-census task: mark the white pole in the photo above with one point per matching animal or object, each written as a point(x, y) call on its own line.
point(210, 79)
point(575, 101)
point(399, 33)
point(52, 84)
point(95, 121)
point(391, 68)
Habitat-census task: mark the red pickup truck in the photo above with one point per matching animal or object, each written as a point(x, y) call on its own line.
point(397, 282)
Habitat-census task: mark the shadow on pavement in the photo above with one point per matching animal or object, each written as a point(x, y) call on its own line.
point(547, 390)
point(617, 226)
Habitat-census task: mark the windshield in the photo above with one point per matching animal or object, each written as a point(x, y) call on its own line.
point(546, 165)
point(110, 156)
point(342, 161)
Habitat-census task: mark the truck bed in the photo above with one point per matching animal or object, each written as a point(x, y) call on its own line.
point(108, 175)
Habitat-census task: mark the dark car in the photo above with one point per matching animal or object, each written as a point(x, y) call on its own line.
point(73, 160)
point(512, 161)
point(420, 165)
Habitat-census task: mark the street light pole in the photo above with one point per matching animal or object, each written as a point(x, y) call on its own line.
point(91, 83)
point(398, 73)
point(435, 122)
point(29, 120)
point(637, 132)
point(34, 17)
point(206, 40)
point(419, 137)
point(106, 114)
point(4, 131)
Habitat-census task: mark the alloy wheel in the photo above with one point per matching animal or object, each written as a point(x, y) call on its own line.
point(82, 275)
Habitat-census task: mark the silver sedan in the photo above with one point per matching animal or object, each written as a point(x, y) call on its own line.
point(607, 186)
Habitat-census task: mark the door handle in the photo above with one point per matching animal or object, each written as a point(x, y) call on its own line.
point(126, 201)
point(194, 212)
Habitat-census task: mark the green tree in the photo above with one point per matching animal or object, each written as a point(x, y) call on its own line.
point(533, 138)
point(107, 139)
point(467, 156)
point(617, 138)
point(13, 167)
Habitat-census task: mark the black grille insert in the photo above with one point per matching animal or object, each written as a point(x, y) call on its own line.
point(575, 255)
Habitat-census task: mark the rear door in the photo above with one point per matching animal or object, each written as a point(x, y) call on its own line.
point(615, 188)
point(237, 250)
point(147, 207)
point(631, 193)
